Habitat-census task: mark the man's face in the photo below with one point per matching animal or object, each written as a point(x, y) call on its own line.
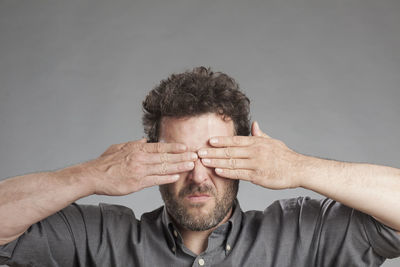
point(200, 199)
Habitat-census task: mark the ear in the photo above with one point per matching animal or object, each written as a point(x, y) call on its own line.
point(255, 130)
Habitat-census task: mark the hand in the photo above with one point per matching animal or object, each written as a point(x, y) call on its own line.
point(129, 167)
point(259, 159)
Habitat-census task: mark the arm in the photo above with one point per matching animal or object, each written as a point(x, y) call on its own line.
point(268, 162)
point(25, 200)
point(122, 169)
point(372, 189)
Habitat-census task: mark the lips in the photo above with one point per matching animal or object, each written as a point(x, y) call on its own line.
point(198, 197)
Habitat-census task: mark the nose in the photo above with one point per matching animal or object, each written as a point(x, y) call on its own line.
point(200, 173)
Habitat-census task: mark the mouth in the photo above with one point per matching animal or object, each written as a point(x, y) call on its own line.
point(198, 197)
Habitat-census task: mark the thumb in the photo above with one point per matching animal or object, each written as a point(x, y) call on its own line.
point(255, 130)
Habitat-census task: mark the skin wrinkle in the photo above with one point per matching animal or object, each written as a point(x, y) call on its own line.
point(195, 132)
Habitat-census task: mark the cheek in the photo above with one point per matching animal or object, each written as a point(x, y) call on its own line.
point(176, 187)
point(221, 183)
point(182, 177)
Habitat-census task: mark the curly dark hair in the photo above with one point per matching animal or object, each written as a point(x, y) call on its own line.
point(194, 93)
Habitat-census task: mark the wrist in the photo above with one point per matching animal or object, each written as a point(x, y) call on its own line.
point(79, 177)
point(320, 175)
point(302, 170)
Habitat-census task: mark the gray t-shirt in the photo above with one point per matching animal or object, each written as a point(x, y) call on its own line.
point(291, 232)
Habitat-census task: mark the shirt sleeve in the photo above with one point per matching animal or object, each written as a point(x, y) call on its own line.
point(59, 240)
point(342, 234)
point(384, 240)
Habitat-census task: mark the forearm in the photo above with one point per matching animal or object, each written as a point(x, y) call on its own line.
point(27, 199)
point(372, 189)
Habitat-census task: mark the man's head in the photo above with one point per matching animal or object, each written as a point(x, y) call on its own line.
point(190, 108)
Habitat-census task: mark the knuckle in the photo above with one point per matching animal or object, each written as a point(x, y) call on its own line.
point(161, 169)
point(227, 152)
point(159, 147)
point(232, 163)
point(141, 147)
point(129, 160)
point(163, 157)
point(137, 146)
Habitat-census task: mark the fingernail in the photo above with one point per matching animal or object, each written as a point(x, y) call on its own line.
point(206, 161)
point(214, 140)
point(190, 164)
point(202, 153)
point(175, 177)
point(193, 155)
point(218, 170)
point(182, 147)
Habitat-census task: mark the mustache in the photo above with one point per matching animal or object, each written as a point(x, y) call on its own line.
point(193, 188)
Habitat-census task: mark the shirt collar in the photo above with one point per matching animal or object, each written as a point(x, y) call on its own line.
point(229, 230)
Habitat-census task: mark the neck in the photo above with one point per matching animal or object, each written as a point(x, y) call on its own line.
point(197, 241)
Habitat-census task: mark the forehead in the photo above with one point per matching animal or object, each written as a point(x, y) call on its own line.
point(194, 131)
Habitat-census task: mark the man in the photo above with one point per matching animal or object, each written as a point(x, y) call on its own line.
point(197, 150)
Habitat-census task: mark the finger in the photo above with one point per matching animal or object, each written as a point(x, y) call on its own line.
point(153, 180)
point(170, 157)
point(222, 141)
point(224, 153)
point(256, 131)
point(164, 147)
point(167, 168)
point(239, 174)
point(229, 163)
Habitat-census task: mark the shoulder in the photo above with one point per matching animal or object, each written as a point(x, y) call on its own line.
point(90, 213)
point(153, 215)
point(306, 205)
point(116, 210)
point(294, 205)
point(303, 209)
point(91, 220)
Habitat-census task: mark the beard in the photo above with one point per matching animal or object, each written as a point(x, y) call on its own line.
point(197, 221)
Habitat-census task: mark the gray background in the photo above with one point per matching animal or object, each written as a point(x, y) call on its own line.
point(323, 77)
